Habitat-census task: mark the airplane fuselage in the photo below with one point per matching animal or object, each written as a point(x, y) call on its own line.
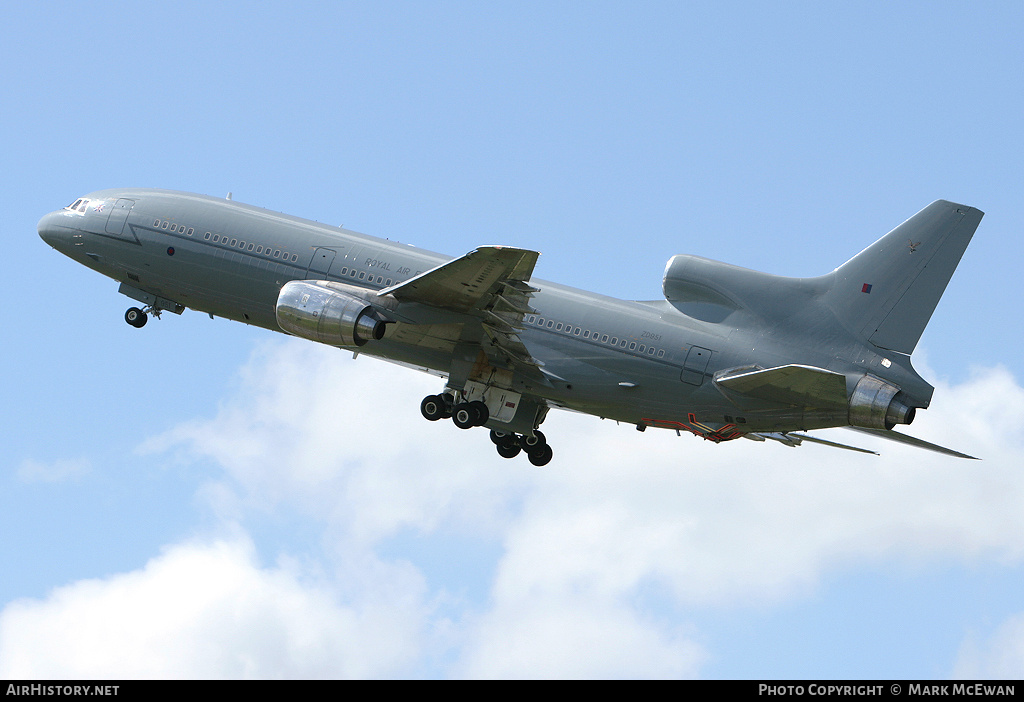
point(644, 363)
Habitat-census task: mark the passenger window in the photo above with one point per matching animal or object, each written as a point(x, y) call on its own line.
point(344, 271)
point(586, 334)
point(604, 339)
point(632, 346)
point(234, 241)
point(577, 331)
point(277, 253)
point(559, 327)
point(216, 238)
point(650, 351)
point(615, 340)
point(191, 231)
point(661, 352)
point(156, 223)
point(250, 247)
point(361, 275)
point(207, 235)
point(165, 225)
point(622, 343)
point(551, 324)
point(295, 257)
point(387, 282)
point(642, 348)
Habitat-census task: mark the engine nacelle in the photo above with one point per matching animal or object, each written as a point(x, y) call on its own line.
point(331, 313)
point(874, 405)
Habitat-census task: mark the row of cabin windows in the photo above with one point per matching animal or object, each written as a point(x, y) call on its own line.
point(223, 239)
point(361, 275)
point(260, 250)
point(596, 336)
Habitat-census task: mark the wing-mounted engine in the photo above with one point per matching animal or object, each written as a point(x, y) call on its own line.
point(332, 313)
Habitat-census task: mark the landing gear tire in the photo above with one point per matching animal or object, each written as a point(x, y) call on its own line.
point(464, 415)
point(510, 450)
point(500, 437)
point(541, 457)
point(482, 413)
point(433, 408)
point(533, 444)
point(136, 317)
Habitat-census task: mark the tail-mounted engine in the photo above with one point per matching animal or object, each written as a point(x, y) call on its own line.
point(331, 313)
point(875, 404)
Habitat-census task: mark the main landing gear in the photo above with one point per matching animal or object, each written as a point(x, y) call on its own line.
point(509, 445)
point(475, 414)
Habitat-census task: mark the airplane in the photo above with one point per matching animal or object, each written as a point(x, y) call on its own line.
point(728, 353)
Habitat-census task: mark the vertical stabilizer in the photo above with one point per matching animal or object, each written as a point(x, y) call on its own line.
point(888, 291)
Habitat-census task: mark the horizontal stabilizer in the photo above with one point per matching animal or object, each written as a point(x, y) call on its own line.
point(890, 435)
point(796, 439)
point(801, 386)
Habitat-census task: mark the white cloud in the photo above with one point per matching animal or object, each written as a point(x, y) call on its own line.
point(344, 442)
point(203, 611)
point(1001, 657)
point(31, 471)
point(617, 513)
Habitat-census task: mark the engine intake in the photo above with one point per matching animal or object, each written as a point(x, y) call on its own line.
point(330, 313)
point(875, 405)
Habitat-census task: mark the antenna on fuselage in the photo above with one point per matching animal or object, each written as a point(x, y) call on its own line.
point(228, 197)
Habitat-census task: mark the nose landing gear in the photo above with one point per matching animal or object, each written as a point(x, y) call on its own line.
point(138, 318)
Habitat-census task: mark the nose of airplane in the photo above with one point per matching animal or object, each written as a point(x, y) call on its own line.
point(50, 230)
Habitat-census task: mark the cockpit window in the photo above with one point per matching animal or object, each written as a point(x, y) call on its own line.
point(83, 206)
point(78, 205)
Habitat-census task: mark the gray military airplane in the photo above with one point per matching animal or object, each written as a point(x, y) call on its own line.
point(729, 352)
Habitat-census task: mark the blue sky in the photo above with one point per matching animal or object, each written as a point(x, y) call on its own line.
point(204, 499)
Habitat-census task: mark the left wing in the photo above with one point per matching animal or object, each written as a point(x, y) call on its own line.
point(490, 283)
